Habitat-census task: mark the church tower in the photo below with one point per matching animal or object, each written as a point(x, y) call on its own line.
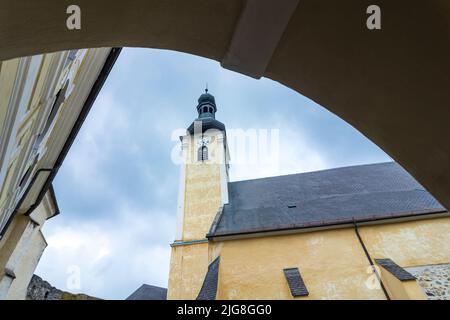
point(203, 191)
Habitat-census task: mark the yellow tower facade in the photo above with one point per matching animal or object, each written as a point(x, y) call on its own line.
point(203, 191)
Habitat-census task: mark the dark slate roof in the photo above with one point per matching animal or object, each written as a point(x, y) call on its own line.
point(52, 194)
point(207, 123)
point(206, 97)
point(209, 287)
point(336, 196)
point(397, 271)
point(147, 292)
point(295, 282)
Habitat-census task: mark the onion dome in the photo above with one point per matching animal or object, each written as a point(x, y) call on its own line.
point(206, 109)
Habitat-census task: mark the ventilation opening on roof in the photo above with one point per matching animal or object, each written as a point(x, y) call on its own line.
point(292, 206)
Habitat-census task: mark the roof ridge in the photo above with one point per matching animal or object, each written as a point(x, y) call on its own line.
point(366, 192)
point(322, 170)
point(151, 285)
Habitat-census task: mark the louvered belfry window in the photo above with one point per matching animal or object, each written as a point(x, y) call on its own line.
point(203, 153)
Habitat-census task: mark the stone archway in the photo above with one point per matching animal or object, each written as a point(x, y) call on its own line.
point(390, 84)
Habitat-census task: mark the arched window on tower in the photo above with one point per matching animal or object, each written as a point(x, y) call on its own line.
point(203, 153)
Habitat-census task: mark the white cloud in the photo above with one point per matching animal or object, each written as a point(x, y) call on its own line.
point(295, 154)
point(114, 256)
point(95, 143)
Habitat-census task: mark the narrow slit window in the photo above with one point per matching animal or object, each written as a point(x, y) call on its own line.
point(203, 153)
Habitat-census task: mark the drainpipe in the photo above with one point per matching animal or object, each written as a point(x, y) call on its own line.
point(366, 252)
point(98, 84)
point(22, 199)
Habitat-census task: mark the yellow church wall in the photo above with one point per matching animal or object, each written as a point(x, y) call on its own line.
point(202, 191)
point(188, 266)
point(412, 243)
point(400, 290)
point(414, 291)
point(214, 250)
point(202, 199)
point(332, 264)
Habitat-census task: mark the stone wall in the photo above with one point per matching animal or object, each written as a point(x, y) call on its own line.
point(39, 289)
point(434, 279)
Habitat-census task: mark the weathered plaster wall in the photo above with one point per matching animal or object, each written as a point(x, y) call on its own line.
point(20, 252)
point(203, 188)
point(332, 264)
point(400, 290)
point(412, 243)
point(21, 249)
point(11, 238)
point(188, 266)
point(202, 199)
point(28, 264)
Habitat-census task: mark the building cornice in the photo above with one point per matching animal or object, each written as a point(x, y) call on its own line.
point(189, 242)
point(331, 226)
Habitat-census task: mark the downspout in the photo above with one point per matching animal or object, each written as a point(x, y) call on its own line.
point(22, 199)
point(366, 252)
point(98, 84)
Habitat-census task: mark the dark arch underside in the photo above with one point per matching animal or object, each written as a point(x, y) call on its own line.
point(391, 84)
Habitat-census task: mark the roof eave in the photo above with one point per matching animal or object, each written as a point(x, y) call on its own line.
point(326, 226)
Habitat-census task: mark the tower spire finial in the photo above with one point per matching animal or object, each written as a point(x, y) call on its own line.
point(206, 89)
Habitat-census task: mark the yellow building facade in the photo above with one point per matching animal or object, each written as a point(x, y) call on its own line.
point(43, 101)
point(362, 232)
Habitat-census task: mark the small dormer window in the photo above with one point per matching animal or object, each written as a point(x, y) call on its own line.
point(203, 153)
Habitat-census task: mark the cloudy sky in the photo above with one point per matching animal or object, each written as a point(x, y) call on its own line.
point(117, 188)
